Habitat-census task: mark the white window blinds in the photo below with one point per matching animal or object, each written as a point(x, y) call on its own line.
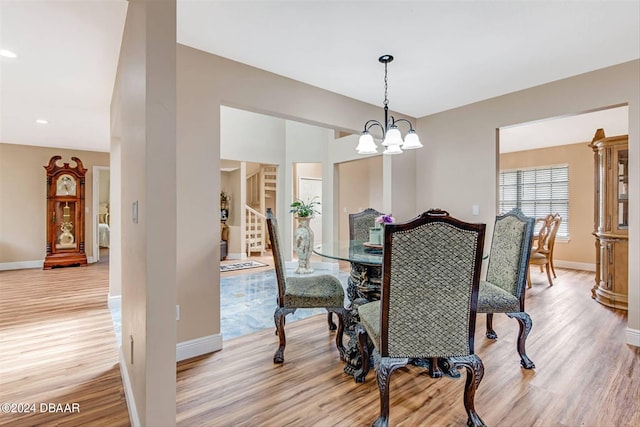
point(537, 192)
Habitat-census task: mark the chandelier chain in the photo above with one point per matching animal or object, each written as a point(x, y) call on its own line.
point(386, 100)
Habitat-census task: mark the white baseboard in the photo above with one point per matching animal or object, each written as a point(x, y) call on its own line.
point(21, 265)
point(114, 301)
point(575, 265)
point(239, 256)
point(633, 337)
point(198, 346)
point(128, 392)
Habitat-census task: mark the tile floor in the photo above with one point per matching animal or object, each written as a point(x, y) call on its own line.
point(247, 303)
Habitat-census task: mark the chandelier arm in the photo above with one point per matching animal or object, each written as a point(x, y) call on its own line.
point(372, 123)
point(403, 121)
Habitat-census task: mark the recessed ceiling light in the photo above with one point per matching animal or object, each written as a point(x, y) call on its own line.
point(42, 121)
point(7, 53)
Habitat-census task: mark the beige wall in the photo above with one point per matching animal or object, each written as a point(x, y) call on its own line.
point(360, 187)
point(459, 166)
point(23, 201)
point(205, 82)
point(580, 249)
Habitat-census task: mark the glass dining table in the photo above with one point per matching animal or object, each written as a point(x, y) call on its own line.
point(366, 266)
point(363, 285)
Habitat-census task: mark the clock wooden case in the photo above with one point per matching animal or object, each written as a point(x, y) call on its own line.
point(65, 214)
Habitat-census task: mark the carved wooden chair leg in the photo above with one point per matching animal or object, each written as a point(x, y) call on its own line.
point(383, 374)
point(339, 335)
point(491, 334)
point(363, 346)
point(332, 326)
point(529, 277)
point(524, 320)
point(548, 268)
point(475, 372)
point(435, 370)
point(279, 319)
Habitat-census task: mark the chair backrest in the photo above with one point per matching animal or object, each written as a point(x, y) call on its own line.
point(272, 226)
point(554, 226)
point(546, 237)
point(431, 273)
point(510, 252)
point(361, 222)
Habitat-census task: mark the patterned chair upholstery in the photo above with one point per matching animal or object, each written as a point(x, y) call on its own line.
point(361, 222)
point(503, 290)
point(431, 273)
point(318, 291)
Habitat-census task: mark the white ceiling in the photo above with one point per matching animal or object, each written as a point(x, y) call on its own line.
point(447, 54)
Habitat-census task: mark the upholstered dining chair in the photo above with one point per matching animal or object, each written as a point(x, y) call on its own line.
point(431, 273)
point(359, 225)
point(309, 291)
point(542, 251)
point(361, 222)
point(503, 289)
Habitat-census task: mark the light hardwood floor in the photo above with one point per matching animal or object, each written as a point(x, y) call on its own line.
point(58, 346)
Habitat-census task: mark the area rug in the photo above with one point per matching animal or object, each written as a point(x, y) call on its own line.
point(241, 265)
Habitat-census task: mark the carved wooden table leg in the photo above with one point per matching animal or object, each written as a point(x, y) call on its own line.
point(363, 286)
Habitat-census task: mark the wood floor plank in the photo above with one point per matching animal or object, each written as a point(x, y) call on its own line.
point(585, 374)
point(58, 346)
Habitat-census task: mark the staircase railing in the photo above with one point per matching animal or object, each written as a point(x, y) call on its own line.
point(255, 231)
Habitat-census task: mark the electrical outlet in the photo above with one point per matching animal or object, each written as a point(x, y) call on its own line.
point(475, 209)
point(131, 348)
point(177, 311)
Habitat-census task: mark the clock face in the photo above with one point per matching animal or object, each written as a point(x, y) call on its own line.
point(66, 185)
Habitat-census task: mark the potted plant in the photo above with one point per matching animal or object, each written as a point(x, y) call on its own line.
point(225, 198)
point(304, 212)
point(301, 209)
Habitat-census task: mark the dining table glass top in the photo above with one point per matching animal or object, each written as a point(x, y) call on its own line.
point(354, 251)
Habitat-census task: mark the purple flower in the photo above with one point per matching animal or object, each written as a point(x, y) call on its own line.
point(385, 219)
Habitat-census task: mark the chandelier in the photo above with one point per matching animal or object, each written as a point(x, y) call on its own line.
point(391, 136)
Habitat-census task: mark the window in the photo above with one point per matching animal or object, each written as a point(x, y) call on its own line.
point(537, 192)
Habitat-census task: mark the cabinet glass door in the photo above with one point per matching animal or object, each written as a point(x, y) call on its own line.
point(623, 188)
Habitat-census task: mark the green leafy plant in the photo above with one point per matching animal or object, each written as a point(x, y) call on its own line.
point(302, 209)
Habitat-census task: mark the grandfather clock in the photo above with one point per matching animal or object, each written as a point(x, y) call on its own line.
point(65, 214)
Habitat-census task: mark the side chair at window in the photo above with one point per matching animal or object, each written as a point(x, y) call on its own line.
point(542, 252)
point(503, 290)
point(431, 273)
point(309, 291)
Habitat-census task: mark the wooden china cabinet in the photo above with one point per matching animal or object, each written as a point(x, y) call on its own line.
point(611, 222)
point(65, 214)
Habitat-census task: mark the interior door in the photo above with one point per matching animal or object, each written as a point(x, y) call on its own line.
point(308, 188)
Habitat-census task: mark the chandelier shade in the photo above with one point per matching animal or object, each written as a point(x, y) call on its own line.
point(391, 136)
